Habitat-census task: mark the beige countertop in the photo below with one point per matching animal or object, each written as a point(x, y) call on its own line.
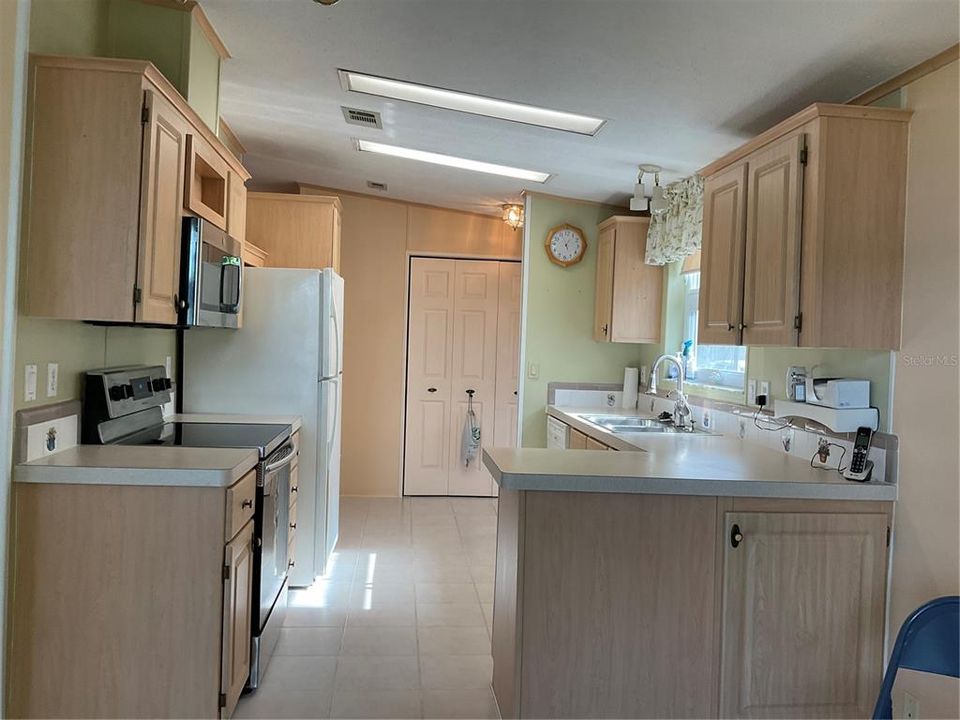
point(674, 464)
point(140, 465)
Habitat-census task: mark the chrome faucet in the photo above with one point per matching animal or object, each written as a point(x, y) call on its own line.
point(681, 410)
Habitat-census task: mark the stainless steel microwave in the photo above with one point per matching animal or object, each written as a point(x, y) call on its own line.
point(212, 277)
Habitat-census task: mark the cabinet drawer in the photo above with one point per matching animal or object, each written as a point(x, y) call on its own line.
point(241, 497)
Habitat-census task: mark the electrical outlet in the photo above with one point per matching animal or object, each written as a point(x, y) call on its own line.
point(765, 388)
point(30, 383)
point(751, 392)
point(911, 707)
point(533, 371)
point(53, 376)
point(168, 366)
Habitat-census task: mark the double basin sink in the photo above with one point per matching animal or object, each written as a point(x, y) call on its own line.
point(622, 424)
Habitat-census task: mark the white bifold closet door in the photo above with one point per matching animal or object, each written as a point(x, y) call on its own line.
point(454, 344)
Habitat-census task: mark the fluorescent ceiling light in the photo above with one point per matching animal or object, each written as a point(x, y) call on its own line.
point(451, 161)
point(465, 102)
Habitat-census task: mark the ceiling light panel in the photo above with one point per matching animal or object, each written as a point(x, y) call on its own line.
point(451, 161)
point(467, 103)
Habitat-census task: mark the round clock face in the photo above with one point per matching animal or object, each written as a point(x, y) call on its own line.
point(565, 245)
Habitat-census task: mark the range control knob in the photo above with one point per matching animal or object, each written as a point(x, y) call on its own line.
point(121, 392)
point(167, 383)
point(160, 384)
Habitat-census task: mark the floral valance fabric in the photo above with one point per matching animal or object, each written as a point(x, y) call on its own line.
point(676, 233)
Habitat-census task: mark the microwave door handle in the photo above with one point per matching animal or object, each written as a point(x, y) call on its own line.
point(230, 261)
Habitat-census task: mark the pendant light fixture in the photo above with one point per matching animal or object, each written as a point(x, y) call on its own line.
point(641, 201)
point(513, 215)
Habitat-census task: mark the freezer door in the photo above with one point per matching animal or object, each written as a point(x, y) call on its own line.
point(328, 500)
point(331, 331)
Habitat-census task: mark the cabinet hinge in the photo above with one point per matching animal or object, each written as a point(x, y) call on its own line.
point(137, 295)
point(803, 156)
point(798, 321)
point(222, 700)
point(145, 114)
point(226, 572)
point(888, 536)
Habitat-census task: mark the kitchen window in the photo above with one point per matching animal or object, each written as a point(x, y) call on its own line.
point(722, 366)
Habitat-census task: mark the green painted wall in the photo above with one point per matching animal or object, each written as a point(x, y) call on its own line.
point(68, 27)
point(151, 32)
point(559, 314)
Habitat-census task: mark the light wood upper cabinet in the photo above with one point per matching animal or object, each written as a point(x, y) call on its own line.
point(295, 231)
point(803, 614)
point(721, 260)
point(771, 277)
point(106, 176)
point(165, 141)
point(820, 248)
point(628, 291)
point(206, 192)
point(236, 207)
point(237, 609)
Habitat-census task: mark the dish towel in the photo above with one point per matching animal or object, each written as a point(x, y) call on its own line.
point(470, 440)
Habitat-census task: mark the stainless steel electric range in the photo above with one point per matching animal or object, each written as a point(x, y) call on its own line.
point(123, 406)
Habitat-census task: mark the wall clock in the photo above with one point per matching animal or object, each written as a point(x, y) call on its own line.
point(565, 245)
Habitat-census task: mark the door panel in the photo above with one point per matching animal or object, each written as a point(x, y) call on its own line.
point(721, 275)
point(603, 295)
point(164, 152)
point(474, 367)
point(429, 383)
point(803, 601)
point(508, 356)
point(237, 618)
point(772, 269)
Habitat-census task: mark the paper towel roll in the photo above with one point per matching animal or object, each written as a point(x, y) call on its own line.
point(631, 383)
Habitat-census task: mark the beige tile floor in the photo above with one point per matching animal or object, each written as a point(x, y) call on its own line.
point(400, 625)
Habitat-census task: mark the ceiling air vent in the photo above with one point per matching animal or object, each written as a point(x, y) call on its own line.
point(378, 186)
point(363, 118)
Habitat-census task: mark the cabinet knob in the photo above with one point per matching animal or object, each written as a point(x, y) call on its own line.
point(246, 504)
point(736, 537)
point(604, 329)
point(291, 563)
point(743, 326)
point(731, 327)
point(293, 526)
point(293, 489)
point(178, 303)
point(431, 390)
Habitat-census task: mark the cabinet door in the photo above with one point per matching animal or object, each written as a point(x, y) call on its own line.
point(236, 207)
point(508, 355)
point(475, 309)
point(637, 287)
point(803, 613)
point(721, 260)
point(603, 294)
point(576, 440)
point(595, 444)
point(164, 150)
point(237, 606)
point(429, 362)
point(771, 289)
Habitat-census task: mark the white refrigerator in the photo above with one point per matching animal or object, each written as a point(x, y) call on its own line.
point(286, 359)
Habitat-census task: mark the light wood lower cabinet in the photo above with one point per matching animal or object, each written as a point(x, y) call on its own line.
point(621, 605)
point(126, 601)
point(576, 440)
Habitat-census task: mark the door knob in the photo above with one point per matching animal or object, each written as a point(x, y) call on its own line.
point(731, 326)
point(431, 390)
point(178, 303)
point(293, 489)
point(293, 526)
point(736, 537)
point(743, 326)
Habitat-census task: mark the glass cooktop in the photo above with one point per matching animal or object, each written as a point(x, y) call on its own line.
point(266, 438)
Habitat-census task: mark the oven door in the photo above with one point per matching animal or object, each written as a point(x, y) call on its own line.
point(273, 513)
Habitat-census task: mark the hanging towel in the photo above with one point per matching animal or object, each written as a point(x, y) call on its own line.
point(470, 440)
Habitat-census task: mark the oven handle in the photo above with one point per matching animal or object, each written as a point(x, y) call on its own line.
point(285, 459)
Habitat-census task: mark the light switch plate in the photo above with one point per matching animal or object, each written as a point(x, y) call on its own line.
point(30, 383)
point(53, 377)
point(765, 389)
point(751, 392)
point(533, 371)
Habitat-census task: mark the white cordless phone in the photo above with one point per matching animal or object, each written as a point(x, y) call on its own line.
point(860, 468)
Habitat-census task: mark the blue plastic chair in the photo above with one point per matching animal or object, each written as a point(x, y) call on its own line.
point(928, 641)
